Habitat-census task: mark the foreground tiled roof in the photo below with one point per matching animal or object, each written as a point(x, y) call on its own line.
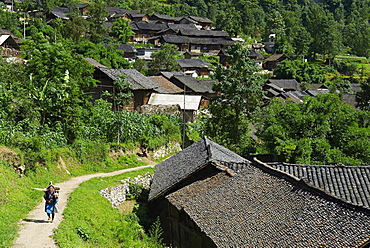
point(95, 63)
point(183, 164)
point(138, 80)
point(256, 209)
point(350, 183)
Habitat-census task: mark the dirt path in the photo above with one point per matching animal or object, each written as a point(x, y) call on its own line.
point(36, 232)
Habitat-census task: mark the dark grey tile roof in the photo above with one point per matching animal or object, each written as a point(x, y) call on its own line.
point(181, 165)
point(286, 84)
point(163, 17)
point(351, 183)
point(182, 26)
point(192, 63)
point(170, 74)
point(128, 48)
point(151, 26)
point(192, 83)
point(316, 92)
point(174, 39)
point(200, 19)
point(203, 33)
point(138, 80)
point(256, 209)
point(208, 84)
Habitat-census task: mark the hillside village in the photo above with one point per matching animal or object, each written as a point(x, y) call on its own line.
point(286, 163)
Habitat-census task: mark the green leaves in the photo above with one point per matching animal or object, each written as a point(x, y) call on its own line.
point(320, 130)
point(122, 30)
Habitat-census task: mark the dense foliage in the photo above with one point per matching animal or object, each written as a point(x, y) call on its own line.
point(241, 94)
point(322, 130)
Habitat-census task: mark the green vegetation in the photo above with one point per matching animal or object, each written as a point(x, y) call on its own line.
point(320, 131)
point(17, 194)
point(242, 94)
point(92, 222)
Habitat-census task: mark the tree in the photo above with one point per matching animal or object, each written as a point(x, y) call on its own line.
point(122, 93)
point(322, 130)
point(97, 13)
point(164, 59)
point(363, 96)
point(301, 71)
point(122, 30)
point(55, 89)
point(240, 88)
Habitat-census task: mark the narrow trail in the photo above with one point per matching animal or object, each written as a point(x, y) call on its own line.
point(35, 232)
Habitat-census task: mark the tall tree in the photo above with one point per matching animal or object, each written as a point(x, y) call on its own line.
point(122, 30)
point(164, 59)
point(240, 88)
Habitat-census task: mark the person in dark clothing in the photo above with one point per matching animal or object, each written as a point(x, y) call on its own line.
point(51, 199)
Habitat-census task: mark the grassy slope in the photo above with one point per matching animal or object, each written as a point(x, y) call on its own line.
point(90, 220)
point(17, 196)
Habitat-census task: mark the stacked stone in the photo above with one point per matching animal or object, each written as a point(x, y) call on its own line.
point(117, 194)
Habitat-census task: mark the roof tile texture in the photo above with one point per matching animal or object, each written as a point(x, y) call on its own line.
point(256, 209)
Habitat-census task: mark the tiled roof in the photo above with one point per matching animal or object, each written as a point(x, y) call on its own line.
point(275, 57)
point(183, 164)
point(163, 17)
point(256, 209)
point(6, 32)
point(192, 83)
point(128, 48)
point(208, 84)
point(151, 26)
point(95, 63)
point(208, 33)
point(169, 74)
point(138, 80)
point(350, 183)
point(192, 63)
point(200, 19)
point(165, 86)
point(285, 84)
point(182, 26)
point(174, 39)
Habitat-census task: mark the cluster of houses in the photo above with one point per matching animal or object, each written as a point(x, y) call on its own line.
point(208, 196)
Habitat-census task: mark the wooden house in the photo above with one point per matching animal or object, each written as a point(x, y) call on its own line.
point(129, 50)
point(201, 22)
point(208, 196)
point(273, 61)
point(163, 18)
point(144, 30)
point(9, 44)
point(198, 65)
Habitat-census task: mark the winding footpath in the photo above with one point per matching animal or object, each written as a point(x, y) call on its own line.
point(35, 232)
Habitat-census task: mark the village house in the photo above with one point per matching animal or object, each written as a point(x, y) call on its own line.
point(208, 196)
point(198, 65)
point(141, 86)
point(129, 50)
point(201, 22)
point(273, 61)
point(9, 44)
point(274, 87)
point(163, 18)
point(144, 30)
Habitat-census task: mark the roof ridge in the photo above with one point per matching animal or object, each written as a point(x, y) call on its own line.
point(302, 182)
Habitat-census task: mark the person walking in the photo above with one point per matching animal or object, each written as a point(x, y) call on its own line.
point(51, 200)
